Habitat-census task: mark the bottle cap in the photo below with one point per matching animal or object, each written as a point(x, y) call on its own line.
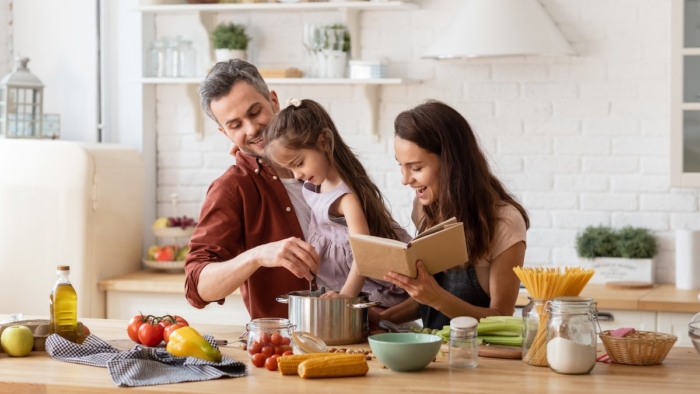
point(463, 322)
point(307, 342)
point(63, 268)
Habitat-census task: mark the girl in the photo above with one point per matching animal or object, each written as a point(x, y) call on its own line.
point(303, 139)
point(441, 160)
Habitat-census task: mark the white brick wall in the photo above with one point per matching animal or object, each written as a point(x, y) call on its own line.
point(581, 140)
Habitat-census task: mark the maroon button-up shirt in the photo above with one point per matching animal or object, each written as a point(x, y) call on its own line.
point(247, 206)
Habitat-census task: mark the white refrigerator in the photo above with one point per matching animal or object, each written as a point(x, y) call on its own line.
point(67, 203)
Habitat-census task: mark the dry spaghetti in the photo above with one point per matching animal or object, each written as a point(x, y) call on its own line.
point(545, 284)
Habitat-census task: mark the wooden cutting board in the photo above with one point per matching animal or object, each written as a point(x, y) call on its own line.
point(501, 351)
point(629, 285)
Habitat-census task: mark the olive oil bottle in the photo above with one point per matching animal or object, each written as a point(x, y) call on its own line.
point(64, 306)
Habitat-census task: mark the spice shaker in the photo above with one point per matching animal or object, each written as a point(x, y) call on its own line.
point(464, 348)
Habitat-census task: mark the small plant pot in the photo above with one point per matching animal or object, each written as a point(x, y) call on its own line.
point(223, 55)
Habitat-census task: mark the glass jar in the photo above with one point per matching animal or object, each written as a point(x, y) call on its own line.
point(571, 335)
point(156, 60)
point(535, 332)
point(172, 57)
point(269, 336)
point(187, 60)
point(464, 348)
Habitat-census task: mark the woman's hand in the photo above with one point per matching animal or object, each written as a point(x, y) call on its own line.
point(423, 288)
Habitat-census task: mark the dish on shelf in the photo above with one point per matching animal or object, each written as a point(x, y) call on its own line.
point(173, 232)
point(165, 265)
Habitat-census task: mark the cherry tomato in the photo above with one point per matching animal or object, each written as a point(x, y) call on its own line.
point(271, 363)
point(169, 330)
point(133, 327)
point(263, 339)
point(276, 339)
point(288, 353)
point(258, 360)
point(268, 351)
point(286, 341)
point(151, 334)
point(285, 348)
point(255, 348)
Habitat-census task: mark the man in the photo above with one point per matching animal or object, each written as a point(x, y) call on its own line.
point(253, 220)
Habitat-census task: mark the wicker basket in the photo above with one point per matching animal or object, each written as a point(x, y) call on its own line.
point(638, 347)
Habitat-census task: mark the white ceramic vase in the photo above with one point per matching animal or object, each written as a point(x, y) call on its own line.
point(223, 55)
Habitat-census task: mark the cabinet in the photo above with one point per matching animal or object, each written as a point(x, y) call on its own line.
point(351, 15)
point(676, 323)
point(685, 93)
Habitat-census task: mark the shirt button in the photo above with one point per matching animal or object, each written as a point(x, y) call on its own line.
point(288, 209)
point(274, 177)
point(260, 161)
point(256, 170)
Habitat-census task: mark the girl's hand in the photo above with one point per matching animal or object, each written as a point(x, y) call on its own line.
point(331, 294)
point(423, 288)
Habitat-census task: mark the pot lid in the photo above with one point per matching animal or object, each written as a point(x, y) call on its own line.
point(308, 342)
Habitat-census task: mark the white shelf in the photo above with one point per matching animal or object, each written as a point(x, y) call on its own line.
point(234, 7)
point(287, 81)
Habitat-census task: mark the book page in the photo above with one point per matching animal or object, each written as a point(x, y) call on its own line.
point(437, 227)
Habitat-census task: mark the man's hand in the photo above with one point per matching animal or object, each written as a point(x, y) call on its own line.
point(292, 253)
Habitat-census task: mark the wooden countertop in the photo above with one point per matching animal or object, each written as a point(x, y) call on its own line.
point(660, 298)
point(40, 373)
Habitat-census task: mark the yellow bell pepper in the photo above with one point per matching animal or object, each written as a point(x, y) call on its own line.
point(186, 342)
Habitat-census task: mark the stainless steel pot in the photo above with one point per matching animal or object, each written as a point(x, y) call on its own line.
point(338, 321)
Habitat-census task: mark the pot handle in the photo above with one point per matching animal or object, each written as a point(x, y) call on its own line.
point(283, 299)
point(363, 305)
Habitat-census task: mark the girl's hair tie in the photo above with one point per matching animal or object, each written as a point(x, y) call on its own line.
point(294, 102)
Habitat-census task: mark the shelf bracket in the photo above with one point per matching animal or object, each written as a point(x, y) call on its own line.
point(197, 113)
point(371, 93)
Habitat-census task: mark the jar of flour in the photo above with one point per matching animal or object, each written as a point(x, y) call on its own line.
point(571, 335)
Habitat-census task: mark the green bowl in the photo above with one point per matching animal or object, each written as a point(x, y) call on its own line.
point(404, 352)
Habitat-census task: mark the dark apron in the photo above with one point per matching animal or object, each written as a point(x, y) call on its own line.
point(461, 282)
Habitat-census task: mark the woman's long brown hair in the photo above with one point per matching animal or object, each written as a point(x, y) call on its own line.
point(468, 189)
point(300, 128)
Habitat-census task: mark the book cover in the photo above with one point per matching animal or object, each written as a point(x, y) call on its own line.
point(440, 247)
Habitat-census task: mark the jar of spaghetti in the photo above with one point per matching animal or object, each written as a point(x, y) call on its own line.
point(534, 332)
point(571, 335)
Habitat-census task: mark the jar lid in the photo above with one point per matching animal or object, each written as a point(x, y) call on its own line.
point(463, 322)
point(308, 342)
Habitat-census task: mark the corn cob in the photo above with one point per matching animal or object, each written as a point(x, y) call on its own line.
point(334, 367)
point(288, 365)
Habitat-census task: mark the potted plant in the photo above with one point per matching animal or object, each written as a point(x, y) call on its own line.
point(617, 255)
point(230, 41)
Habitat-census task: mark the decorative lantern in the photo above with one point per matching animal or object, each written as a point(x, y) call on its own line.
point(21, 108)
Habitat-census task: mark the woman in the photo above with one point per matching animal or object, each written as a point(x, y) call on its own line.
point(441, 160)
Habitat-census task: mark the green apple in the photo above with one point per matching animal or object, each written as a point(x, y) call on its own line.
point(181, 254)
point(17, 341)
point(152, 252)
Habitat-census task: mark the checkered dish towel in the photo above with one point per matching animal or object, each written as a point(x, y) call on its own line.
point(142, 366)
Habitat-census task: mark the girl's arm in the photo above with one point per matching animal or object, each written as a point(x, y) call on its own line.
point(349, 206)
point(504, 287)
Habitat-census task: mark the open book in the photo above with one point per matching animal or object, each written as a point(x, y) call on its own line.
point(439, 248)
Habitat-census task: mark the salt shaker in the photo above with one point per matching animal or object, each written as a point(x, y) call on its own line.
point(464, 348)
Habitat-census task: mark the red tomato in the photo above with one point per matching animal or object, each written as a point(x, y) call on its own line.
point(151, 334)
point(133, 327)
point(181, 320)
point(258, 360)
point(285, 348)
point(271, 363)
point(279, 350)
point(288, 353)
point(169, 330)
point(276, 339)
point(286, 341)
point(268, 351)
point(165, 323)
point(263, 339)
point(255, 348)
